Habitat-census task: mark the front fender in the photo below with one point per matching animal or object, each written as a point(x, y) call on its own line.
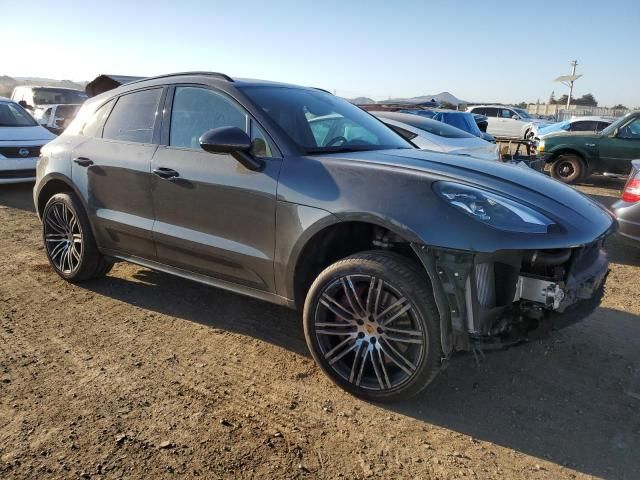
point(580, 150)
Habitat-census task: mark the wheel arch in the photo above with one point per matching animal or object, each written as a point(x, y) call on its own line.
point(331, 241)
point(569, 151)
point(51, 185)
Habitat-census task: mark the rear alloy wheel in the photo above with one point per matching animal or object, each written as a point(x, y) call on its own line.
point(69, 242)
point(372, 326)
point(568, 168)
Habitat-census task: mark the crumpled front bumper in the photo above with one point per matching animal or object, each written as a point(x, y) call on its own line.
point(486, 297)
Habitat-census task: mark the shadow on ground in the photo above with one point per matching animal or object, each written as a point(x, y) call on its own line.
point(17, 195)
point(570, 399)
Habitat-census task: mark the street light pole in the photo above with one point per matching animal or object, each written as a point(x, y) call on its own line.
point(574, 64)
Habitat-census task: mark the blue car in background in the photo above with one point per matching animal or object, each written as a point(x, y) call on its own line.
point(464, 121)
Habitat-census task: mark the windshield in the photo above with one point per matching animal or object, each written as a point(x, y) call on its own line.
point(13, 115)
point(554, 127)
point(523, 113)
point(319, 122)
point(463, 121)
point(50, 96)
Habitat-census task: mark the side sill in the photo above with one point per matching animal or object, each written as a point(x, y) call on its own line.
point(197, 277)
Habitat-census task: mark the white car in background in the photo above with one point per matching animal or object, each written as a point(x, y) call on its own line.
point(575, 124)
point(508, 122)
point(428, 134)
point(21, 138)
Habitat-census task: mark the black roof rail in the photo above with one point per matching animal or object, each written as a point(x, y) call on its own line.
point(221, 76)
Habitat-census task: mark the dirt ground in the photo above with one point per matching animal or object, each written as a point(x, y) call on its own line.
point(142, 375)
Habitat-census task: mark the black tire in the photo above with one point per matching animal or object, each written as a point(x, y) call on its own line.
point(381, 376)
point(83, 261)
point(568, 168)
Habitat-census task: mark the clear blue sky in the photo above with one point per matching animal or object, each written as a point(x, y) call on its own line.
point(488, 50)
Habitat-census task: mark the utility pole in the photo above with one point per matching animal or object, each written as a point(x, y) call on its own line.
point(574, 64)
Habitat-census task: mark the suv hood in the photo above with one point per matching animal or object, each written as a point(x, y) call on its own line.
point(565, 134)
point(585, 218)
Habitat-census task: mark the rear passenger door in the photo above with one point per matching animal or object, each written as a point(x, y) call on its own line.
point(493, 122)
point(112, 171)
point(213, 216)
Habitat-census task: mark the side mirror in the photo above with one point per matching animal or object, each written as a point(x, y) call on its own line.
point(231, 140)
point(515, 117)
point(25, 105)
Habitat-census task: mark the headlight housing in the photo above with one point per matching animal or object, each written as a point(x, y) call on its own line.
point(541, 146)
point(492, 209)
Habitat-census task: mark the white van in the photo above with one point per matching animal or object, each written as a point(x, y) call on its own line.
point(31, 97)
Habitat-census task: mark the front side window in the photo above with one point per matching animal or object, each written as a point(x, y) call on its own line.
point(13, 115)
point(196, 110)
point(347, 127)
point(631, 130)
point(133, 117)
point(504, 113)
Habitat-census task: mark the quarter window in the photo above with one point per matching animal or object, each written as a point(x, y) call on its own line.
point(93, 126)
point(133, 117)
point(196, 110)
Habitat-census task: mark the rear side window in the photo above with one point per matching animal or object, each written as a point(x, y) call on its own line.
point(491, 112)
point(196, 110)
point(133, 117)
point(584, 126)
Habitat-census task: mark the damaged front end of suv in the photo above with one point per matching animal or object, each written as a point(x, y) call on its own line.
point(494, 299)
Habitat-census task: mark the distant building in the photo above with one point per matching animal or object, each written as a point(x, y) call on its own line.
point(105, 82)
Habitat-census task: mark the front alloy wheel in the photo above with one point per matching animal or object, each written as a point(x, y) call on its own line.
point(69, 242)
point(371, 325)
point(63, 238)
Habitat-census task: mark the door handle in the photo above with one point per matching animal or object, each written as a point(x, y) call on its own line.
point(83, 161)
point(166, 173)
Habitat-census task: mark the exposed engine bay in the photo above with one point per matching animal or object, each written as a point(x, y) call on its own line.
point(493, 300)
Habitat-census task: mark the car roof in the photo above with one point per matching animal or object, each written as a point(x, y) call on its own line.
point(492, 106)
point(5, 99)
point(215, 77)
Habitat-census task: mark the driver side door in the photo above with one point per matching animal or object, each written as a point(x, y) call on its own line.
point(213, 216)
point(616, 152)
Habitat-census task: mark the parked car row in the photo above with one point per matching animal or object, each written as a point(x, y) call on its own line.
point(397, 257)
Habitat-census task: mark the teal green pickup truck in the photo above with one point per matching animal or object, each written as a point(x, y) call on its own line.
point(575, 155)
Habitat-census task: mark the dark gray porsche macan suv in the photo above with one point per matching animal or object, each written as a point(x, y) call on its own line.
point(398, 257)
